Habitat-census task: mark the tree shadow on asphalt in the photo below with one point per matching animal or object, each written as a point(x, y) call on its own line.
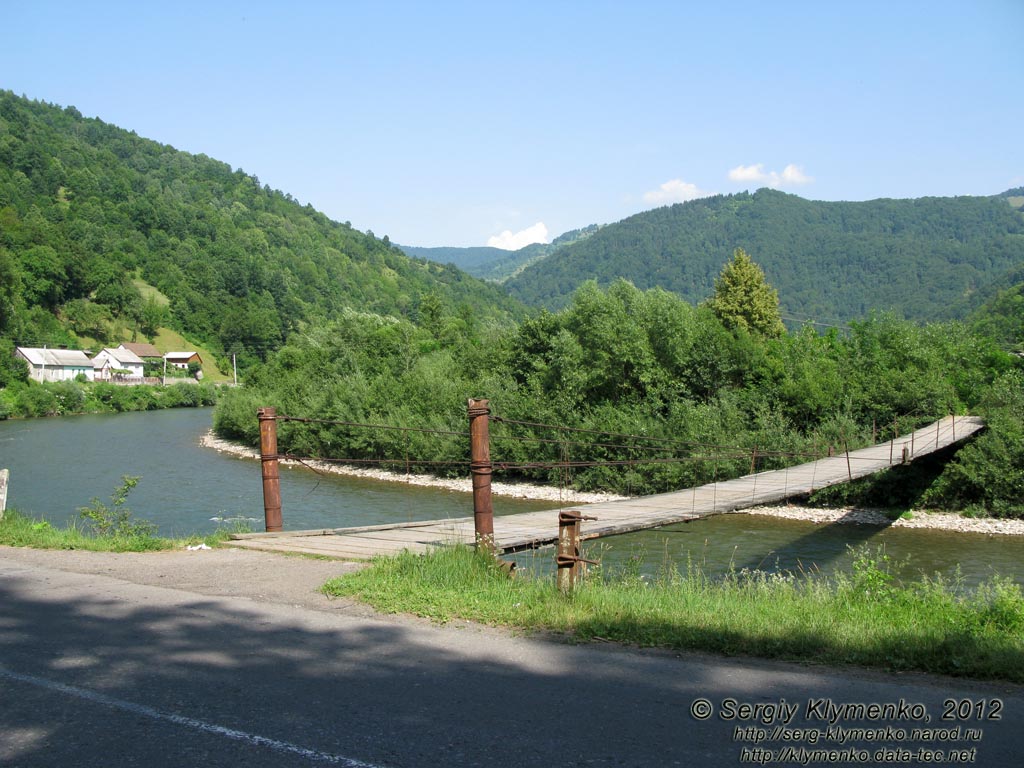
point(385, 692)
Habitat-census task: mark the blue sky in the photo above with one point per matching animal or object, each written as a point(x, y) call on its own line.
point(442, 123)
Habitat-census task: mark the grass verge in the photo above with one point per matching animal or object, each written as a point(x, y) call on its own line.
point(865, 618)
point(18, 530)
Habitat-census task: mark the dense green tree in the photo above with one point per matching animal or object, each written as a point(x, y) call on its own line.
point(1002, 317)
point(13, 370)
point(10, 289)
point(43, 277)
point(744, 299)
point(988, 474)
point(87, 318)
point(152, 316)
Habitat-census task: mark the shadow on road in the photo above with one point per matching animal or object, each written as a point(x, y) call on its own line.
point(396, 693)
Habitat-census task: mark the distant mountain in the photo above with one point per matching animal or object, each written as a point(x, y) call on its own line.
point(830, 261)
point(497, 264)
point(87, 210)
point(466, 259)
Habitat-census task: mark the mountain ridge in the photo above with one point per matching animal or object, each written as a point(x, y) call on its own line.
point(838, 260)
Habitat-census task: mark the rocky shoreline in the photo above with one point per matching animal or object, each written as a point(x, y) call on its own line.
point(946, 521)
point(841, 515)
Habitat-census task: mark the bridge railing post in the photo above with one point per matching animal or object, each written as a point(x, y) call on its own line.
point(268, 461)
point(481, 468)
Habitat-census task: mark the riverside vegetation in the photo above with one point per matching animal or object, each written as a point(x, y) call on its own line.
point(865, 618)
point(705, 388)
point(27, 399)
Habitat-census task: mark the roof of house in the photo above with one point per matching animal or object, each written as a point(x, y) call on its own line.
point(120, 356)
point(141, 349)
point(70, 358)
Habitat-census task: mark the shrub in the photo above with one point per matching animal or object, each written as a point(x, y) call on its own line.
point(116, 520)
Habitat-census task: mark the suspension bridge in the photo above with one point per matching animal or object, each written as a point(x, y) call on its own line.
point(512, 533)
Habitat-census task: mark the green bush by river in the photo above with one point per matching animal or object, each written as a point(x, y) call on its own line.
point(64, 398)
point(668, 380)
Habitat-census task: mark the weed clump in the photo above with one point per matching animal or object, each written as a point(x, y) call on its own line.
point(116, 520)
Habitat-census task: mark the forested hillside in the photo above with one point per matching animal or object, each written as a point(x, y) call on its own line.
point(829, 261)
point(88, 209)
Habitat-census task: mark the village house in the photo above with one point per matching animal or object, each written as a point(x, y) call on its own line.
point(55, 364)
point(182, 359)
point(117, 365)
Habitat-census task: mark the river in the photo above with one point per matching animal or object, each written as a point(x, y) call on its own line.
point(58, 465)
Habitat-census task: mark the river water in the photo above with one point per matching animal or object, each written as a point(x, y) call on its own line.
point(58, 465)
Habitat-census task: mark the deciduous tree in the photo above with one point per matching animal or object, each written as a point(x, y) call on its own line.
point(744, 299)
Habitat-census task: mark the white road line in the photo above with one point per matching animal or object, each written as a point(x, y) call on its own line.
point(188, 722)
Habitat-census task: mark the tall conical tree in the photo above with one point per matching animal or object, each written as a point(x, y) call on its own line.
point(744, 299)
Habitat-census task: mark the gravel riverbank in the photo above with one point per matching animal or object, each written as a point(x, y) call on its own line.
point(512, 490)
point(843, 515)
point(946, 521)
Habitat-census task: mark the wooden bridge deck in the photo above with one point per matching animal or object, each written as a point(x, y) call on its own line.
point(532, 529)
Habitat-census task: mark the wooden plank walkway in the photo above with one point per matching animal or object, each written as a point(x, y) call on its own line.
point(532, 529)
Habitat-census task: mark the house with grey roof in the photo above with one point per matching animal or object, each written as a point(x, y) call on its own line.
point(55, 364)
point(117, 365)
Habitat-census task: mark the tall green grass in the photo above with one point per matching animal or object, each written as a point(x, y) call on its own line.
point(864, 618)
point(19, 530)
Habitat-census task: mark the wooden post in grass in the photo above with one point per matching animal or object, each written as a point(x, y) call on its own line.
point(568, 560)
point(480, 467)
point(268, 460)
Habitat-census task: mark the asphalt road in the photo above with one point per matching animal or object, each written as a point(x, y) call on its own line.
point(127, 661)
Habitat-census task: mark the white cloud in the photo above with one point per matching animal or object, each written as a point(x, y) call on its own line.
point(748, 173)
point(508, 241)
point(794, 175)
point(674, 191)
point(791, 176)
